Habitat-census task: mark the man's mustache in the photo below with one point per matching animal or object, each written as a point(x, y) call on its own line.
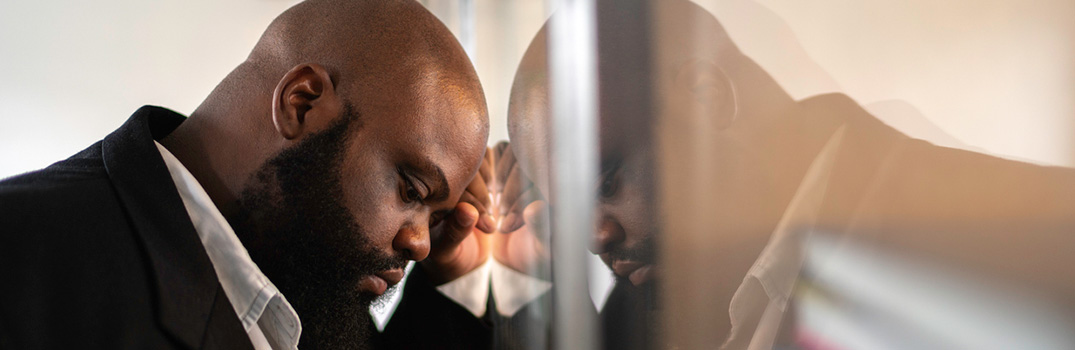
point(644, 251)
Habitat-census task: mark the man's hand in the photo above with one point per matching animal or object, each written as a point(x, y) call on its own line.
point(522, 229)
point(459, 244)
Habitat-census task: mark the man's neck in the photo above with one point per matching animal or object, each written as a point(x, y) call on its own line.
point(204, 150)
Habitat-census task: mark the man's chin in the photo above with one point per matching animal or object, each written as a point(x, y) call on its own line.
point(347, 329)
point(337, 327)
point(648, 283)
point(634, 272)
point(642, 276)
point(645, 293)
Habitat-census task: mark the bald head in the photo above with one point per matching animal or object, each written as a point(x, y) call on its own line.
point(319, 57)
point(361, 44)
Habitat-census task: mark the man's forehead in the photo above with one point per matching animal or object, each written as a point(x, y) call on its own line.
point(451, 139)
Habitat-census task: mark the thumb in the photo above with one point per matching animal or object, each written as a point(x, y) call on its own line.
point(536, 215)
point(463, 219)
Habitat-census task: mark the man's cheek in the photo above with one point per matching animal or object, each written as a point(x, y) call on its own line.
point(381, 222)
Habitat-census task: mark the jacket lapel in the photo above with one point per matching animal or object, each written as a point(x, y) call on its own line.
point(224, 331)
point(187, 285)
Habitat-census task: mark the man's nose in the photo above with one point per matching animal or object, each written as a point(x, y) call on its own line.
point(609, 233)
point(413, 240)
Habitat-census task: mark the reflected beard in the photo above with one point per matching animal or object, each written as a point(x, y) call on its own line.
point(638, 307)
point(292, 220)
point(631, 318)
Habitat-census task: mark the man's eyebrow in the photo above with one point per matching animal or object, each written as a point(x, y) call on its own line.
point(439, 188)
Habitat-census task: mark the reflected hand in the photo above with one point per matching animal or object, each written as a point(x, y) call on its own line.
point(519, 242)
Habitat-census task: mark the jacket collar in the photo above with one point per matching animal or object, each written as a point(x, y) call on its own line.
point(185, 281)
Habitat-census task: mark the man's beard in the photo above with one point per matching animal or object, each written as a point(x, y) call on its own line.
point(645, 251)
point(292, 220)
point(631, 316)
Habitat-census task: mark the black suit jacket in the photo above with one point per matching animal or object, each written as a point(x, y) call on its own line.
point(98, 251)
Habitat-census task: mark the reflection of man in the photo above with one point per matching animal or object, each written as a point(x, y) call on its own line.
point(626, 233)
point(755, 168)
point(282, 207)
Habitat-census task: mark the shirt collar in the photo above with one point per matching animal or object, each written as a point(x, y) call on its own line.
point(250, 292)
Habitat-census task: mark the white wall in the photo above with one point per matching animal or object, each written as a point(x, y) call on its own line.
point(73, 71)
point(995, 75)
point(998, 75)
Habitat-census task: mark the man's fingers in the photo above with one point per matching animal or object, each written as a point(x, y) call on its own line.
point(536, 215)
point(499, 149)
point(504, 163)
point(485, 220)
point(480, 193)
point(513, 189)
point(485, 171)
point(514, 219)
point(478, 203)
point(462, 222)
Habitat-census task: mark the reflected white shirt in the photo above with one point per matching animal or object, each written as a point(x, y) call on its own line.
point(269, 320)
point(512, 290)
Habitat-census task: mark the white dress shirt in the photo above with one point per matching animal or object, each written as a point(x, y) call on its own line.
point(269, 320)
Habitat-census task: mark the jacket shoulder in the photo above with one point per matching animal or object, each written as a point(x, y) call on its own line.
point(72, 259)
point(84, 165)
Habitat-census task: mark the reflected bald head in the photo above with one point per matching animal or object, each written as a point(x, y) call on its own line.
point(685, 58)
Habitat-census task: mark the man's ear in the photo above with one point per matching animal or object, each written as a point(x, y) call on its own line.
point(710, 89)
point(304, 101)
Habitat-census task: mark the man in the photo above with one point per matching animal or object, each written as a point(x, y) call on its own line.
point(744, 171)
point(275, 214)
